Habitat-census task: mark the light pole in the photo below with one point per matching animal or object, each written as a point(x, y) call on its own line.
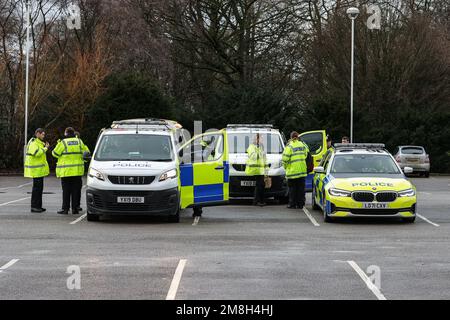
point(352, 14)
point(27, 70)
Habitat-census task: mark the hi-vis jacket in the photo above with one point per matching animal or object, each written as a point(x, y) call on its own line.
point(36, 165)
point(69, 153)
point(294, 159)
point(256, 162)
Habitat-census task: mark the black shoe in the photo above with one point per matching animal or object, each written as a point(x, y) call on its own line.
point(261, 204)
point(79, 209)
point(62, 211)
point(37, 210)
point(76, 211)
point(290, 207)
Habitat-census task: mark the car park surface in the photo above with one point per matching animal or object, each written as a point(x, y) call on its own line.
point(232, 252)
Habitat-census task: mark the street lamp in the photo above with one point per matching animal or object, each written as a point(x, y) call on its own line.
point(27, 68)
point(352, 14)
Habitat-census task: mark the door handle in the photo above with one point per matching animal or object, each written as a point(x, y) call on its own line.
point(220, 168)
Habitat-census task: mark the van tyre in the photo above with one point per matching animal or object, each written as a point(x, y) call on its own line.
point(92, 217)
point(175, 218)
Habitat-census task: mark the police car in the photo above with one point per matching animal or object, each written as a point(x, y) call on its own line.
point(239, 137)
point(363, 180)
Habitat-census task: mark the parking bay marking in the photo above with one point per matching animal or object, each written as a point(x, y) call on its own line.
point(375, 290)
point(176, 280)
point(311, 218)
point(6, 203)
point(18, 187)
point(426, 220)
point(9, 264)
point(79, 219)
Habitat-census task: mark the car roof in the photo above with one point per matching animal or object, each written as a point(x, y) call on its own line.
point(117, 131)
point(411, 147)
point(361, 151)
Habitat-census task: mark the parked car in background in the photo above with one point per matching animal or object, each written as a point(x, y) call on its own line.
point(414, 157)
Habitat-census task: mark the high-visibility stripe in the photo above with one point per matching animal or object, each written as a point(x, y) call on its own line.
point(66, 153)
point(55, 153)
point(34, 167)
point(69, 166)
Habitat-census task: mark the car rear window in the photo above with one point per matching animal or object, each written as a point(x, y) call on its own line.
point(412, 150)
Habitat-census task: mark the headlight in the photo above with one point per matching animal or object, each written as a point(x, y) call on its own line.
point(276, 165)
point(339, 193)
point(407, 193)
point(168, 175)
point(93, 173)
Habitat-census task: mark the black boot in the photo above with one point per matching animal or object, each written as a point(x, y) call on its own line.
point(37, 210)
point(62, 211)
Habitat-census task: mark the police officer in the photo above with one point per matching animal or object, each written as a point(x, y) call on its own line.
point(345, 139)
point(294, 162)
point(70, 168)
point(36, 167)
point(257, 166)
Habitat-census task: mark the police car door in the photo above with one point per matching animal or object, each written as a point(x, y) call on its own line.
point(317, 143)
point(204, 171)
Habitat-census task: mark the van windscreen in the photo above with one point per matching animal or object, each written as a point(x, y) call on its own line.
point(134, 147)
point(239, 142)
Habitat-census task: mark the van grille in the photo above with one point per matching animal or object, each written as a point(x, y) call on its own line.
point(131, 179)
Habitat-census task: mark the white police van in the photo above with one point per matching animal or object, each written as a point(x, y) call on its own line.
point(240, 136)
point(134, 170)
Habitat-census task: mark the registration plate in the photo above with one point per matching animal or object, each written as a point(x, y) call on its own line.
point(130, 199)
point(375, 205)
point(248, 183)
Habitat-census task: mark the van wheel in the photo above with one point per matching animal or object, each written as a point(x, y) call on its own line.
point(92, 217)
point(175, 218)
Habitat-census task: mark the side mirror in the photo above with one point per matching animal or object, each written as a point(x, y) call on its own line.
point(319, 170)
point(181, 153)
point(87, 156)
point(408, 170)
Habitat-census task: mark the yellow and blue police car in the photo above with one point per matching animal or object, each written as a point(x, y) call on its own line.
point(362, 180)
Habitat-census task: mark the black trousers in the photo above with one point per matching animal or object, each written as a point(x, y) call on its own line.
point(71, 187)
point(296, 192)
point(259, 190)
point(36, 193)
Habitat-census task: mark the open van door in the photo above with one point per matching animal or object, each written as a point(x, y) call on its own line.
point(317, 143)
point(204, 171)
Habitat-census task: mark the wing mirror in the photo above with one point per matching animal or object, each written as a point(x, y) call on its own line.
point(408, 170)
point(319, 170)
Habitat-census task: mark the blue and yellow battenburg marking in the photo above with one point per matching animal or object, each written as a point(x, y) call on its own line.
point(202, 183)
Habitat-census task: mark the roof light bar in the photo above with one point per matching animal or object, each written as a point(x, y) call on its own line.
point(359, 146)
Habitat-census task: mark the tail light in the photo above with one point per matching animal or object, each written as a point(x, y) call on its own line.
point(427, 159)
point(397, 158)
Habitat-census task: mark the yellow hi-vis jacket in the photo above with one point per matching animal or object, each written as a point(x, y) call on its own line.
point(69, 153)
point(294, 159)
point(36, 165)
point(256, 163)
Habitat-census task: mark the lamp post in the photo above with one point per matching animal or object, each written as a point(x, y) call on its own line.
point(352, 14)
point(27, 71)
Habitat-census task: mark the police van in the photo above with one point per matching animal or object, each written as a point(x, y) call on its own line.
point(134, 170)
point(240, 136)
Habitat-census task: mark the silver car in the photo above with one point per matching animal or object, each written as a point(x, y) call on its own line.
point(414, 157)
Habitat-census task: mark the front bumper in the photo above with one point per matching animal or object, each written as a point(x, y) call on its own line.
point(161, 202)
point(346, 207)
point(279, 187)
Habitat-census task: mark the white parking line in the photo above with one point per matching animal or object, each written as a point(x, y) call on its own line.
point(176, 280)
point(79, 219)
point(6, 203)
point(375, 290)
point(196, 220)
point(311, 218)
point(426, 220)
point(18, 187)
point(9, 264)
